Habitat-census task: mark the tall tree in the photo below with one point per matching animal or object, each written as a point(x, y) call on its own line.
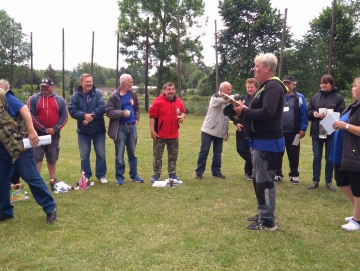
point(51, 73)
point(252, 26)
point(163, 16)
point(311, 54)
point(8, 28)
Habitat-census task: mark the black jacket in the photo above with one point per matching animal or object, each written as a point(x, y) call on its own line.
point(351, 153)
point(230, 112)
point(263, 120)
point(330, 100)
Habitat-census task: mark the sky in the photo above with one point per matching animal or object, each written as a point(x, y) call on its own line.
point(46, 19)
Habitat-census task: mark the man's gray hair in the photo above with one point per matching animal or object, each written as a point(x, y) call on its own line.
point(222, 85)
point(5, 83)
point(268, 60)
point(124, 77)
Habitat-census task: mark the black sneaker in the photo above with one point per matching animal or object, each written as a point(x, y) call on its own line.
point(248, 176)
point(3, 218)
point(266, 226)
point(218, 175)
point(277, 179)
point(314, 185)
point(253, 218)
point(198, 176)
point(51, 217)
point(294, 180)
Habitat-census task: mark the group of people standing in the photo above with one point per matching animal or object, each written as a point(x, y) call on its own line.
point(46, 114)
point(270, 117)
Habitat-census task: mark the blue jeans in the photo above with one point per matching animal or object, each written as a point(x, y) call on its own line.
point(206, 140)
point(25, 166)
point(127, 137)
point(84, 142)
point(317, 146)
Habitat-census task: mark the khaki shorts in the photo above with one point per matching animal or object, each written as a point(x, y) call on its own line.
point(51, 151)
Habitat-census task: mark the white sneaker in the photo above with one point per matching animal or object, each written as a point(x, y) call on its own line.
point(103, 180)
point(348, 219)
point(351, 226)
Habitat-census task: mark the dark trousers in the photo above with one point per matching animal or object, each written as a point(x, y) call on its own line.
point(243, 149)
point(293, 153)
point(15, 178)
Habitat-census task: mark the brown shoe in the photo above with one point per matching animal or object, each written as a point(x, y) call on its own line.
point(313, 185)
point(330, 187)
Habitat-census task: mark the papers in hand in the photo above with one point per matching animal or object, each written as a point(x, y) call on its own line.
point(328, 121)
point(296, 140)
point(43, 140)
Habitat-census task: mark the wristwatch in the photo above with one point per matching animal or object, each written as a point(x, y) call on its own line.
point(347, 126)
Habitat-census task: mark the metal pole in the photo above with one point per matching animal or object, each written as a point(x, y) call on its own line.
point(282, 45)
point(63, 62)
point(147, 67)
point(216, 59)
point(331, 37)
point(11, 61)
point(31, 65)
point(117, 62)
point(92, 55)
point(178, 55)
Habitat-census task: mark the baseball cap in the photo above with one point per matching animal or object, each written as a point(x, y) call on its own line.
point(288, 78)
point(46, 82)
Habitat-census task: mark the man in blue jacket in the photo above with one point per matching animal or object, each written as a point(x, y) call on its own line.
point(295, 122)
point(87, 106)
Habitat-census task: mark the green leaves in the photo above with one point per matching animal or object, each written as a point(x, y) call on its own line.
point(162, 30)
point(8, 28)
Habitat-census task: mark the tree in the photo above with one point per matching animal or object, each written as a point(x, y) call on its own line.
point(195, 77)
point(163, 16)
point(252, 27)
point(310, 57)
point(21, 54)
point(51, 73)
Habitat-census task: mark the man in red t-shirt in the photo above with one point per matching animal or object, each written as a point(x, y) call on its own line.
point(49, 115)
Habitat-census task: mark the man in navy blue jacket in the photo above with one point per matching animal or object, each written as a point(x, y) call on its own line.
point(295, 122)
point(87, 106)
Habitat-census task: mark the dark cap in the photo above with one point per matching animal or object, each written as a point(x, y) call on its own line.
point(46, 82)
point(288, 78)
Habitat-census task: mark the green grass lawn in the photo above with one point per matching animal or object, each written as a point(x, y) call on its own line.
point(199, 225)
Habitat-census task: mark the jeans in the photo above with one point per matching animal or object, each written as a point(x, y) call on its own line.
point(317, 146)
point(84, 142)
point(127, 137)
point(206, 140)
point(25, 166)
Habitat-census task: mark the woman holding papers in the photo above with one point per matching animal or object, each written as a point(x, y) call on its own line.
point(345, 153)
point(327, 100)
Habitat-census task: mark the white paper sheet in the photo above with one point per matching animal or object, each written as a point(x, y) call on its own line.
point(327, 123)
point(43, 140)
point(296, 140)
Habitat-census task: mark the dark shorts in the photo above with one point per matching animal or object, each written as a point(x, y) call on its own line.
point(346, 178)
point(51, 151)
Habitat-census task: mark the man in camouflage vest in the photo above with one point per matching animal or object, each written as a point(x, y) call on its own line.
point(16, 124)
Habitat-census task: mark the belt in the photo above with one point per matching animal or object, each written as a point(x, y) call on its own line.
point(128, 124)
